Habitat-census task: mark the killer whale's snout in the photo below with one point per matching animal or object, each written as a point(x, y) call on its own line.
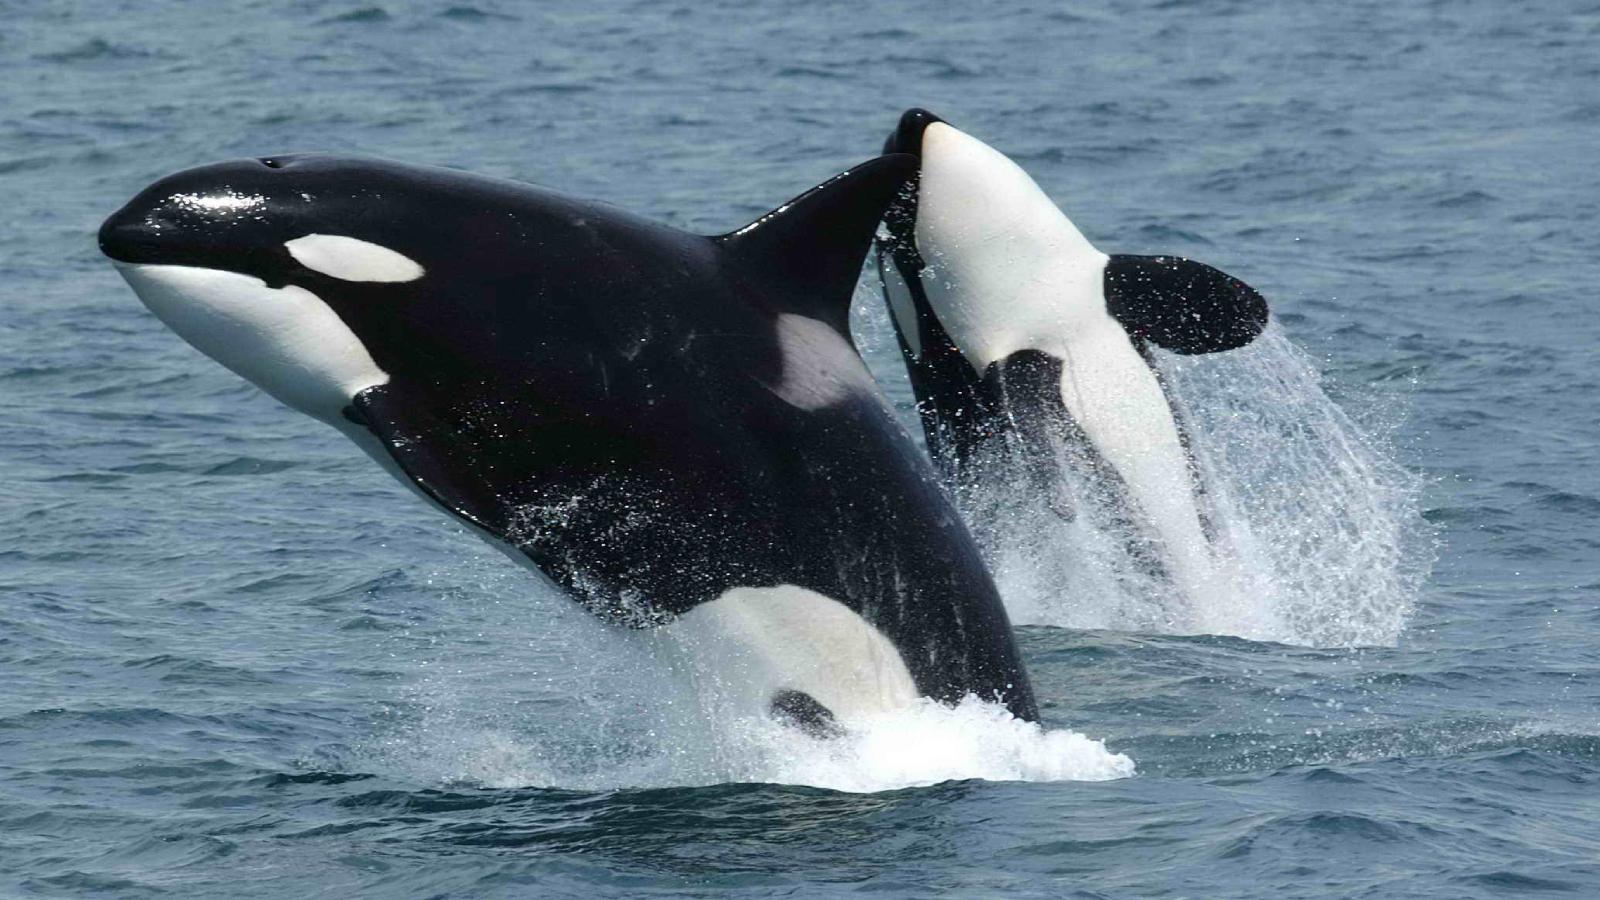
point(129, 234)
point(120, 236)
point(133, 234)
point(907, 136)
point(194, 211)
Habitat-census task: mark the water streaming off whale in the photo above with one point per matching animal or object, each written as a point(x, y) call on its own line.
point(1316, 530)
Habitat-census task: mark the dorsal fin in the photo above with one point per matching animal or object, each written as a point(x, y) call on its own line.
point(810, 249)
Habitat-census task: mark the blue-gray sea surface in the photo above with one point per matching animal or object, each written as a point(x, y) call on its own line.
point(240, 661)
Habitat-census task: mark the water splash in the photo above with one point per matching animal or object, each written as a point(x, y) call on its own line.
point(1309, 501)
point(923, 744)
point(1318, 541)
point(1317, 533)
point(1317, 537)
point(604, 708)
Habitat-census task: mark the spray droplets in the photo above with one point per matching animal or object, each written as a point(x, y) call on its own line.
point(1316, 533)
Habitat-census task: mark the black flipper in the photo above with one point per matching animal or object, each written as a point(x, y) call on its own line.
point(561, 491)
point(439, 460)
point(798, 709)
point(1182, 305)
point(809, 250)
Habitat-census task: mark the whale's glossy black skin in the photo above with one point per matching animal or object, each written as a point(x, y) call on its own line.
point(596, 390)
point(1165, 301)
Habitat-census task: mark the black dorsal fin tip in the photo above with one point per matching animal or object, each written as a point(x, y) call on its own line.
point(810, 250)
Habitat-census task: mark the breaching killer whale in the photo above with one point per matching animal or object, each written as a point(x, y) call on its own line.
point(676, 429)
point(1017, 334)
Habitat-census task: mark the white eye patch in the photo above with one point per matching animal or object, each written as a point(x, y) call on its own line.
point(352, 259)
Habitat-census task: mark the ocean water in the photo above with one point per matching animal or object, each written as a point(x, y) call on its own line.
point(240, 661)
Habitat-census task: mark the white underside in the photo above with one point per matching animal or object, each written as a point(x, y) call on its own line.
point(901, 304)
point(1113, 395)
point(286, 340)
point(1007, 271)
point(750, 643)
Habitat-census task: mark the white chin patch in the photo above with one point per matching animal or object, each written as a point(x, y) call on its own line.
point(286, 340)
point(352, 259)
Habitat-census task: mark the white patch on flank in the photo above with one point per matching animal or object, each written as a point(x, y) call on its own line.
point(286, 340)
point(352, 259)
point(820, 368)
point(754, 642)
point(1008, 272)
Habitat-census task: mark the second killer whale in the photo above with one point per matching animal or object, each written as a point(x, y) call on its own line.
point(676, 429)
point(1018, 334)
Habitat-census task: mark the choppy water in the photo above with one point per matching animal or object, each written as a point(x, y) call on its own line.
point(240, 661)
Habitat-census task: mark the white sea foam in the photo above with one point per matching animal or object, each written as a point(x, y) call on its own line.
point(924, 744)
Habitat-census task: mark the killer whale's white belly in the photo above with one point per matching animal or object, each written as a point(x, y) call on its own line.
point(1005, 272)
point(1118, 402)
point(752, 643)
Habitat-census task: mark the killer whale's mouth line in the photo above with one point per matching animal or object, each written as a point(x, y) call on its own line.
point(144, 243)
point(337, 256)
point(286, 340)
point(126, 267)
